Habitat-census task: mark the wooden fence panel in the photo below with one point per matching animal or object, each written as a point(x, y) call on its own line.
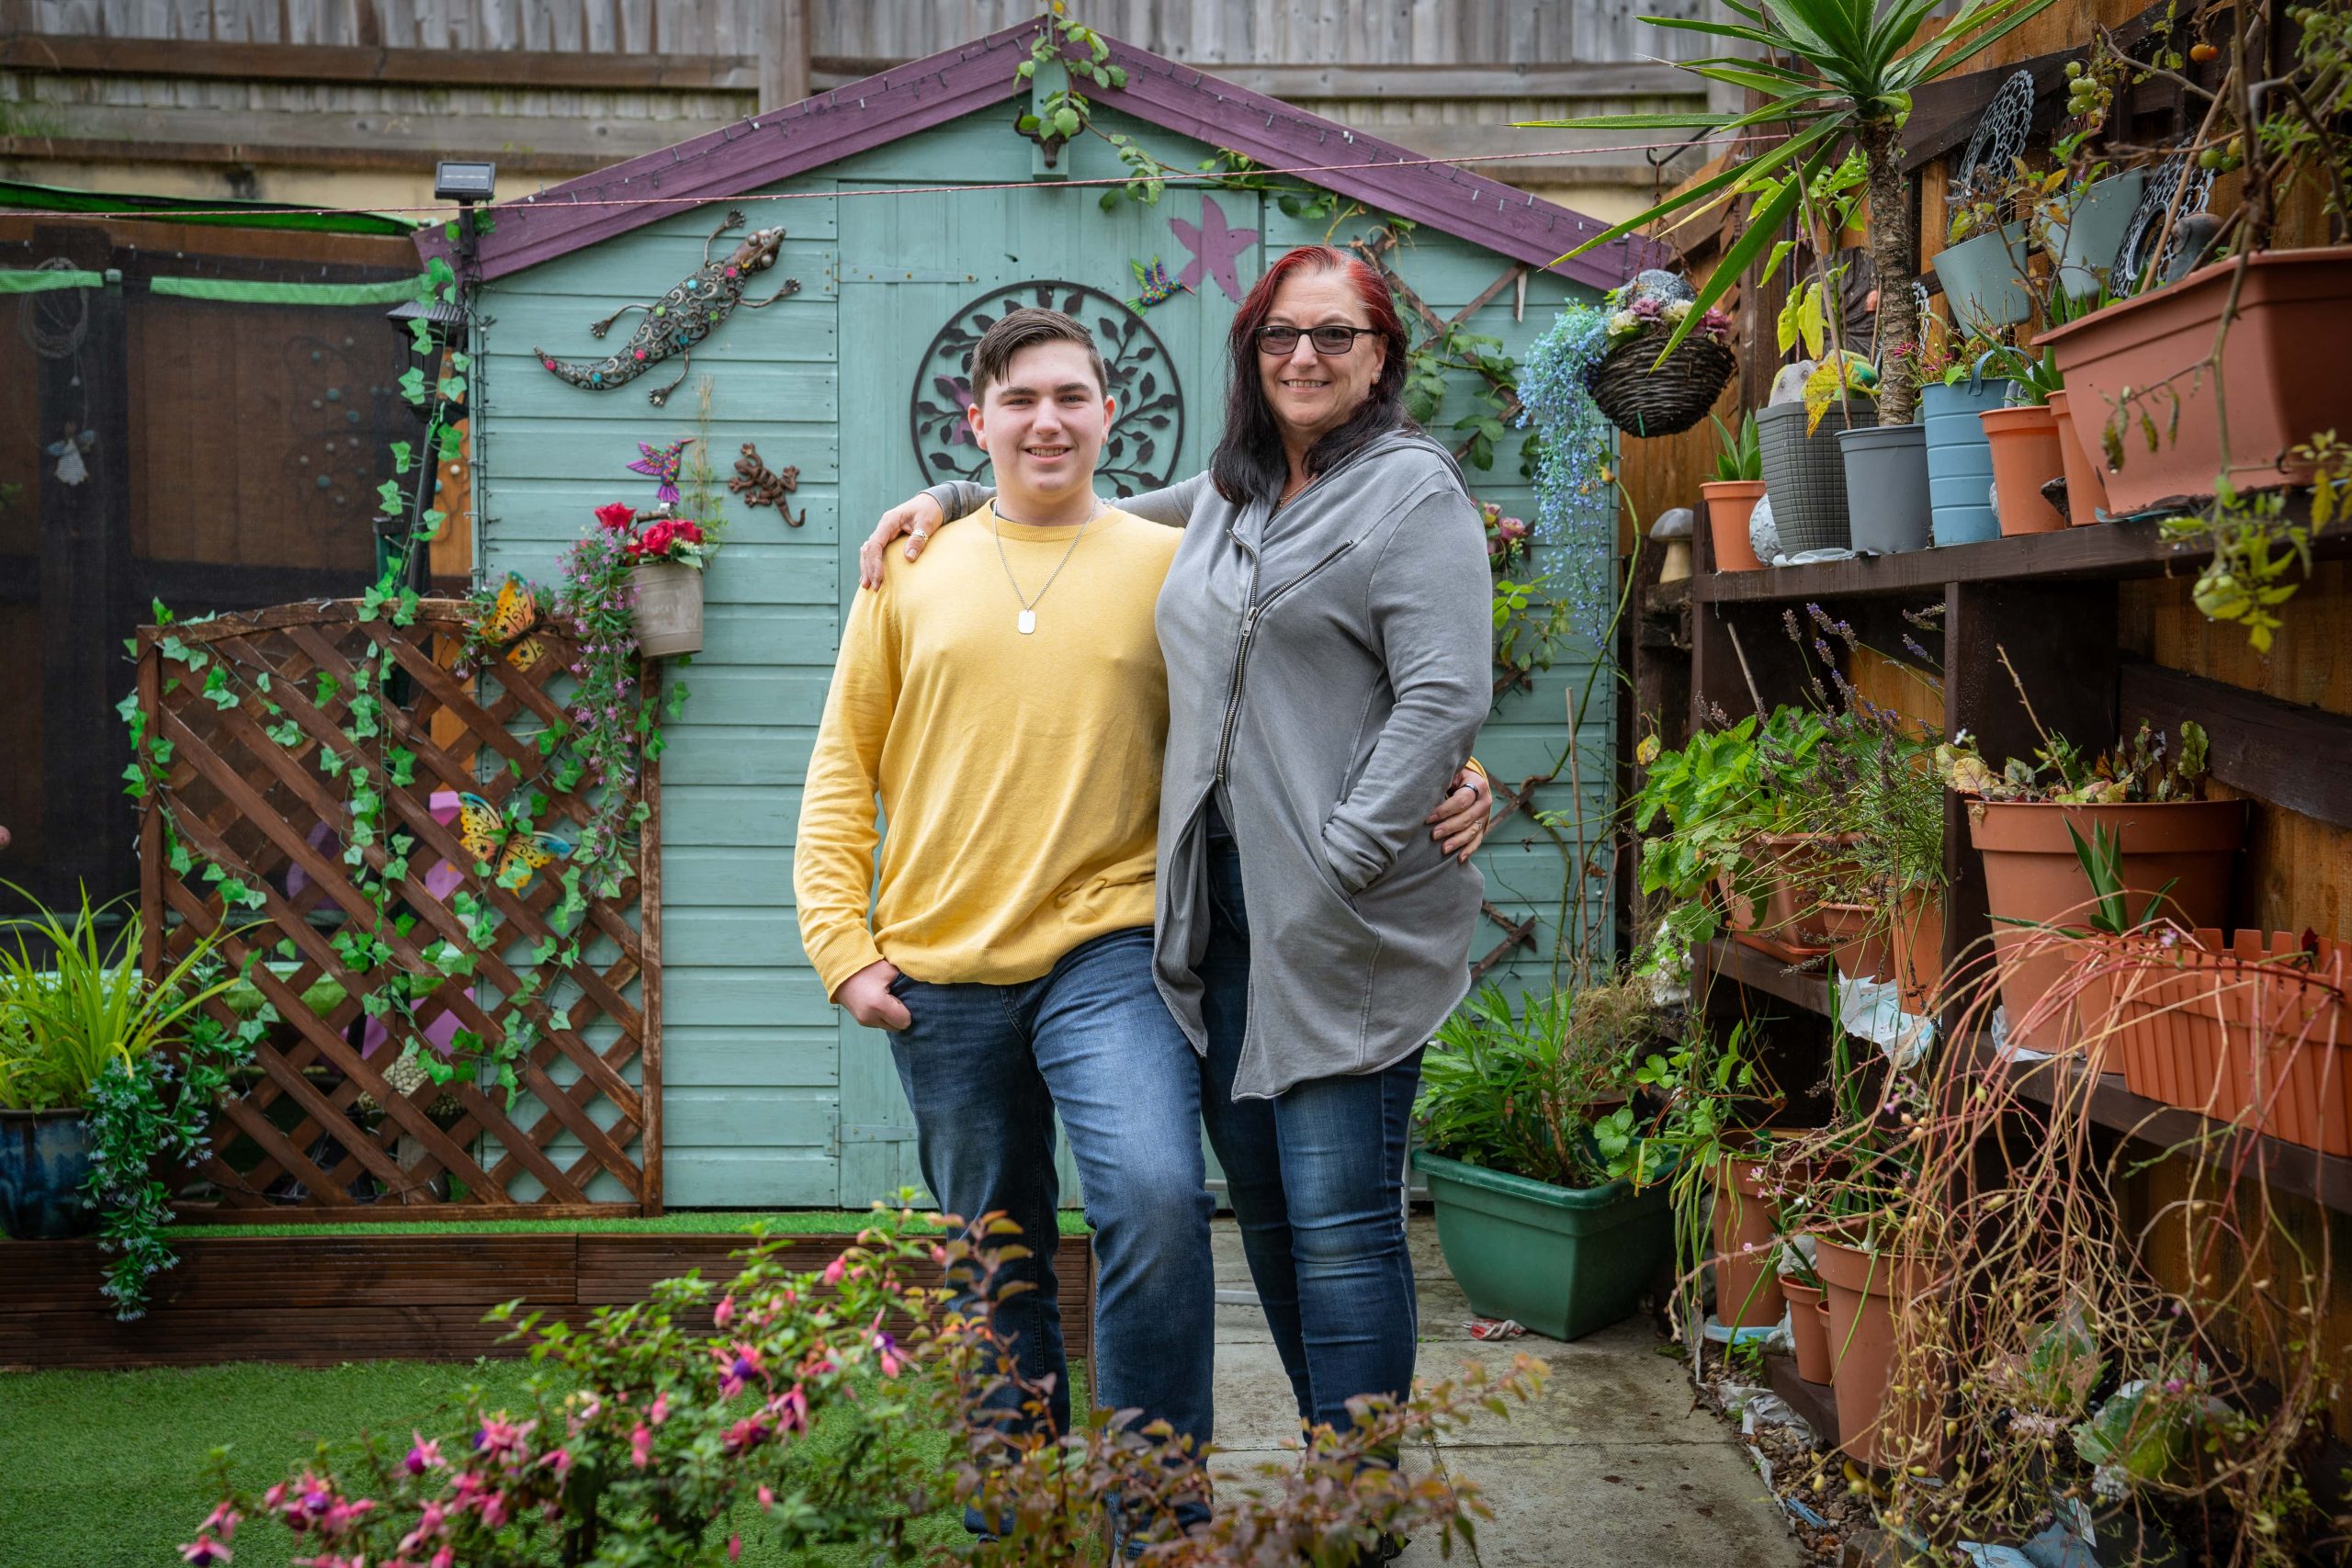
point(255, 712)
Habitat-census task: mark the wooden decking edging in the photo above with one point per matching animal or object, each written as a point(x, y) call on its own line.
point(309, 1300)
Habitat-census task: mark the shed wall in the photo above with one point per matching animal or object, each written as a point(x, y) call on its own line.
point(772, 1097)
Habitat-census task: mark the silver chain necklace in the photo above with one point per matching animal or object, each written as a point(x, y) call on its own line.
point(1027, 622)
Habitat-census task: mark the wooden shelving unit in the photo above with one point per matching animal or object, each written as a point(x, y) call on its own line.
point(2287, 1167)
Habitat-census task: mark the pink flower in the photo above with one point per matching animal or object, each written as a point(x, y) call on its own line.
point(432, 1521)
point(723, 1312)
point(734, 1547)
point(224, 1521)
point(660, 1411)
point(559, 1461)
point(640, 1446)
point(767, 1498)
point(612, 516)
point(423, 1456)
point(834, 1270)
point(204, 1551)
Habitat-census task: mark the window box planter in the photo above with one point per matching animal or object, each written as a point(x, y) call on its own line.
point(2033, 879)
point(2243, 1027)
point(2285, 370)
point(1566, 1262)
point(44, 1160)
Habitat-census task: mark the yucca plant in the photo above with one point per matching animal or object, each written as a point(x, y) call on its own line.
point(1831, 70)
point(73, 1004)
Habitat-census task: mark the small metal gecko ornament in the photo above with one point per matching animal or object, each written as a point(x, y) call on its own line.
point(683, 317)
point(761, 486)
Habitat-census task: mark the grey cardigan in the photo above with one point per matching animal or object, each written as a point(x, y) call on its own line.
point(1330, 661)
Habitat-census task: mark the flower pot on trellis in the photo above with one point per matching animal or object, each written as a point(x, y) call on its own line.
point(1886, 482)
point(44, 1161)
point(669, 608)
point(2249, 1027)
point(2035, 889)
point(1960, 461)
point(1804, 473)
point(1565, 1261)
point(2286, 372)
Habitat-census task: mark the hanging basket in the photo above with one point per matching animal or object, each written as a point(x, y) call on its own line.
point(1668, 400)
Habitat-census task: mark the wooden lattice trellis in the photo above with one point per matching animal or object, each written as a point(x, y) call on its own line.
point(317, 1130)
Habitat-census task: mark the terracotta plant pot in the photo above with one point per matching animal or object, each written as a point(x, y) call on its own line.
point(1828, 1345)
point(2250, 1028)
point(2086, 482)
point(2025, 457)
point(2033, 879)
point(1807, 1331)
point(1786, 924)
point(1745, 1228)
point(1864, 1291)
point(1859, 938)
point(2285, 366)
point(1917, 947)
point(1729, 502)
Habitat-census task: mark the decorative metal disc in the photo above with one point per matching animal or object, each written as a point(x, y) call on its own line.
point(1146, 434)
point(2132, 257)
point(2000, 137)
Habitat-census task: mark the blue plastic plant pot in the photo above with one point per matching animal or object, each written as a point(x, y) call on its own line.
point(1960, 461)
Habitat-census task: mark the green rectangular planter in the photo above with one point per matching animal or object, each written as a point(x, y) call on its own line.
point(1564, 1262)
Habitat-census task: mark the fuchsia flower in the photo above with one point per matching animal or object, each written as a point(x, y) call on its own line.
point(834, 1270)
point(204, 1551)
point(660, 1411)
point(734, 1547)
point(432, 1523)
point(500, 1437)
point(724, 1312)
point(767, 1498)
point(790, 1409)
point(424, 1456)
point(640, 1446)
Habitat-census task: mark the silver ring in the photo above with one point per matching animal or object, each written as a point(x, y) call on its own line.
point(918, 534)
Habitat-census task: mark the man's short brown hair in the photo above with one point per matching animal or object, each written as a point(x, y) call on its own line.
point(1026, 328)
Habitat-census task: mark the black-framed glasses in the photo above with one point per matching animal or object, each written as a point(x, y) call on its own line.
point(1330, 341)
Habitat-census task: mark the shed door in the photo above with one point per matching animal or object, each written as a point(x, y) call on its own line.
point(919, 273)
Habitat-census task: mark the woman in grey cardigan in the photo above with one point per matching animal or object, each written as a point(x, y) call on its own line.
point(1326, 625)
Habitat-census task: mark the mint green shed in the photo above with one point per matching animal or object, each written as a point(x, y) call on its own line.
point(912, 207)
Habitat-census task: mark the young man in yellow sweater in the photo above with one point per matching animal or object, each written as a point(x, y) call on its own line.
point(1007, 705)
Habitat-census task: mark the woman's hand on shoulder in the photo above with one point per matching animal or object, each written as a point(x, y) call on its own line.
point(917, 518)
point(1462, 818)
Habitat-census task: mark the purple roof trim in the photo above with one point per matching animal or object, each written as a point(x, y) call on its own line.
point(908, 98)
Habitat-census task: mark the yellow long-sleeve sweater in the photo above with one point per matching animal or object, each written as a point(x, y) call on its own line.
point(1019, 773)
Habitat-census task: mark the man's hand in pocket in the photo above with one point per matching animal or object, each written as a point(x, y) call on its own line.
point(867, 996)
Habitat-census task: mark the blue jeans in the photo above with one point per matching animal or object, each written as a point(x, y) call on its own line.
point(1315, 1177)
point(985, 1067)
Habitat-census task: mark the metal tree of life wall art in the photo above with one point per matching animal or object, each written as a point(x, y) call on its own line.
point(1140, 452)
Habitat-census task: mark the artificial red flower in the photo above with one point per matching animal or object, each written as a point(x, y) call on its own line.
point(615, 517)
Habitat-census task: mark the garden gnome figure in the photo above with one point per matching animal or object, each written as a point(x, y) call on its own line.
point(1673, 530)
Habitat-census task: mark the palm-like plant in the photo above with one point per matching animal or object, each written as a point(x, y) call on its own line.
point(73, 1005)
point(1831, 70)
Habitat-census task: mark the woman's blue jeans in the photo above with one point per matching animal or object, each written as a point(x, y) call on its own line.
point(1315, 1177)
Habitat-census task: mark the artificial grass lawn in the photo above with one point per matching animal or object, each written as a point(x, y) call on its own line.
point(686, 1221)
point(110, 1470)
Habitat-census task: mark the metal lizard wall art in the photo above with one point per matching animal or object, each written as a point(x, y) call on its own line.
point(683, 317)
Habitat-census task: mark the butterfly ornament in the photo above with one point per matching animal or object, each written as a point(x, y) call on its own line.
point(518, 857)
point(511, 619)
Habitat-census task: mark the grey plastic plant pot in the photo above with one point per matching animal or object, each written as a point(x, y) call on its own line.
point(1886, 488)
point(1805, 476)
point(1980, 278)
point(2086, 243)
point(1960, 461)
point(1564, 1262)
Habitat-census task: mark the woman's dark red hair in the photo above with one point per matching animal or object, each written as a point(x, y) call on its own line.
point(1249, 464)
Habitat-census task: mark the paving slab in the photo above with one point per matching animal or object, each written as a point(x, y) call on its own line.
point(1612, 1467)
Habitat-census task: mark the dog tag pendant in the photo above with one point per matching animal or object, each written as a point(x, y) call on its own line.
point(1028, 622)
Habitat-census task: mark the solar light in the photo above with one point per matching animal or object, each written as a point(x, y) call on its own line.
point(464, 182)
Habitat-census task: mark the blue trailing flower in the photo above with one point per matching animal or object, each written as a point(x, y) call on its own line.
point(1576, 499)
